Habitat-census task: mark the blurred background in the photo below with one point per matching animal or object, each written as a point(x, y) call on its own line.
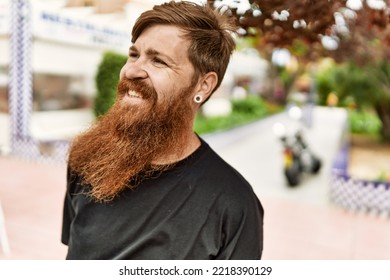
point(303, 113)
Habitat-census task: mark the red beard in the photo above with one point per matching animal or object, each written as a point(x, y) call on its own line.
point(124, 143)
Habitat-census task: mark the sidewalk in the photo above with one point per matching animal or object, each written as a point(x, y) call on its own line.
point(300, 223)
point(31, 195)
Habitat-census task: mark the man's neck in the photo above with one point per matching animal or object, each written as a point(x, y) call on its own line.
point(189, 143)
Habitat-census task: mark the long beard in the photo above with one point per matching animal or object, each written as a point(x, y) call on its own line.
point(119, 150)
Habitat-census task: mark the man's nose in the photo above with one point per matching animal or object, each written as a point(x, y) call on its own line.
point(133, 70)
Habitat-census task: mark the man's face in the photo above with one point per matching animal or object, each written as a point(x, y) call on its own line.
point(147, 127)
point(158, 58)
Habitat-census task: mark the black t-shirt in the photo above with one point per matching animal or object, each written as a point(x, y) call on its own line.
point(200, 209)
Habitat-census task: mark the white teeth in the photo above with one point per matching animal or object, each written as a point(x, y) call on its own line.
point(133, 94)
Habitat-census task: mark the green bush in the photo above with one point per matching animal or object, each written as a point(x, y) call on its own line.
point(107, 78)
point(325, 83)
point(364, 122)
point(252, 105)
point(349, 82)
point(243, 111)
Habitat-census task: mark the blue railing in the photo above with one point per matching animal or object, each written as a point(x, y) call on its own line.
point(357, 194)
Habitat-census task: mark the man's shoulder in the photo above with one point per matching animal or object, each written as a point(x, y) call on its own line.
point(213, 163)
point(235, 197)
point(212, 171)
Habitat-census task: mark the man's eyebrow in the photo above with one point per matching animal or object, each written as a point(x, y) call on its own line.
point(153, 52)
point(132, 48)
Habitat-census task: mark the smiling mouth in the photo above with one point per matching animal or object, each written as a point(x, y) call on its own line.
point(132, 93)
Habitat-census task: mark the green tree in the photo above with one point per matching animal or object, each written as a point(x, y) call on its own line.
point(107, 78)
point(358, 36)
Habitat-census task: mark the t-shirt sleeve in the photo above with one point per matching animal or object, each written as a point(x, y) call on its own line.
point(242, 232)
point(68, 213)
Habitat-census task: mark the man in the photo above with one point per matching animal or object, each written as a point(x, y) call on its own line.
point(141, 183)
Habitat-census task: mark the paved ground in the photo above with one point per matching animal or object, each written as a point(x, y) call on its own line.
point(300, 223)
point(257, 152)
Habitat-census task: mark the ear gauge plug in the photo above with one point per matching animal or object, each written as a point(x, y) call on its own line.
point(198, 99)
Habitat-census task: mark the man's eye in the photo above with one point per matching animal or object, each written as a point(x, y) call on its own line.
point(133, 55)
point(159, 61)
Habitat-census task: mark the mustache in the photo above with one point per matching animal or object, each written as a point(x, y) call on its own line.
point(139, 86)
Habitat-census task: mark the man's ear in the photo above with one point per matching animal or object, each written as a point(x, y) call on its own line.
point(206, 85)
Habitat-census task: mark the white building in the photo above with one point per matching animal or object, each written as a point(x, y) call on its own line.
point(68, 40)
